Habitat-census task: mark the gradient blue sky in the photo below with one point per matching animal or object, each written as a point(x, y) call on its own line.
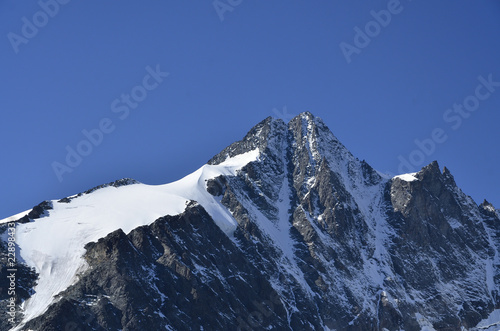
point(227, 75)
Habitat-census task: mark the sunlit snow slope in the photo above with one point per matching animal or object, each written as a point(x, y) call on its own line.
point(306, 226)
point(54, 244)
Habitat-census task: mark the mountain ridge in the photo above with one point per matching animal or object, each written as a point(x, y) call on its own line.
point(336, 245)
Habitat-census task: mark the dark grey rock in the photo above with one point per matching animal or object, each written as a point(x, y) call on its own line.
point(116, 184)
point(37, 212)
point(367, 253)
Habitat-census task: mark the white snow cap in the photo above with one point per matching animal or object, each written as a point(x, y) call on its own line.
point(54, 244)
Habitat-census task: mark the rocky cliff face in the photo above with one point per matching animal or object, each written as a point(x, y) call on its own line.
point(323, 242)
point(181, 272)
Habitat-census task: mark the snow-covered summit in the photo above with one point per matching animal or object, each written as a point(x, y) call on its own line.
point(287, 224)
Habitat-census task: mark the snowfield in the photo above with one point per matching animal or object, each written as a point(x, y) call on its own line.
point(407, 177)
point(54, 244)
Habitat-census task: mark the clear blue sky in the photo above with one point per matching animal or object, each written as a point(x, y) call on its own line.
point(227, 75)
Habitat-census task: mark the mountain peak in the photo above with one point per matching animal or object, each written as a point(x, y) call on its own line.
point(308, 119)
point(284, 229)
point(307, 116)
point(259, 136)
point(487, 206)
point(256, 138)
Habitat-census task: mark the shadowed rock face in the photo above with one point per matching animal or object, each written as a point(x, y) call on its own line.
point(181, 271)
point(25, 280)
point(322, 241)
